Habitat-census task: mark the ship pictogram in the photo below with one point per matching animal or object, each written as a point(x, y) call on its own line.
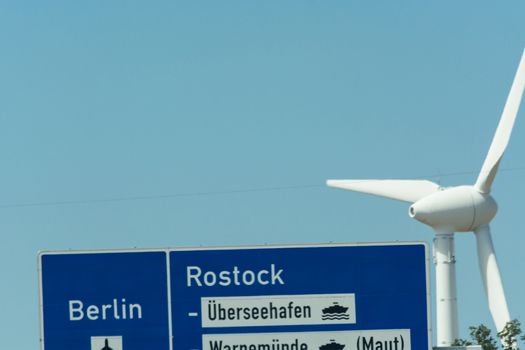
point(332, 346)
point(335, 312)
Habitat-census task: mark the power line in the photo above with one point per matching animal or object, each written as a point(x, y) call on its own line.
point(162, 196)
point(462, 173)
point(210, 193)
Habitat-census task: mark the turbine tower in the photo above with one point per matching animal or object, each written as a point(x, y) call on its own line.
point(457, 209)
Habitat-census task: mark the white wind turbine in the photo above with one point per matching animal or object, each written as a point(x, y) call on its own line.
point(457, 209)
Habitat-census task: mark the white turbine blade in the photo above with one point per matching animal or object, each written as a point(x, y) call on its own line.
point(491, 277)
point(502, 135)
point(402, 190)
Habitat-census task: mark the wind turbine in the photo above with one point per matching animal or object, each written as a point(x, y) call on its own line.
point(457, 209)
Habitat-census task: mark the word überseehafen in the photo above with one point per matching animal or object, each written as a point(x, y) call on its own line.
point(217, 312)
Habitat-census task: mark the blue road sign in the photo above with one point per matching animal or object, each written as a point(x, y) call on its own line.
point(322, 297)
point(88, 298)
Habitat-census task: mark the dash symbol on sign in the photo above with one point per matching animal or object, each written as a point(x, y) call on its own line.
point(193, 314)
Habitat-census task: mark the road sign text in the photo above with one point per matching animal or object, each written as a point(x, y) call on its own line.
point(117, 310)
point(196, 277)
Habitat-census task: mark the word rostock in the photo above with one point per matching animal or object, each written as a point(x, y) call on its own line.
point(196, 277)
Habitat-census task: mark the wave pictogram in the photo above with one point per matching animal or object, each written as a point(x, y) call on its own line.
point(336, 317)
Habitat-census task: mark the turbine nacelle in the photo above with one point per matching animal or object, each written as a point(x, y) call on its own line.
point(455, 209)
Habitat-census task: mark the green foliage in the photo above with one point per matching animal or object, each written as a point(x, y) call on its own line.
point(481, 335)
point(461, 342)
point(509, 335)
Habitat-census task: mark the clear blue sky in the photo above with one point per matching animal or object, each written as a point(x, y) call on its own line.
point(120, 99)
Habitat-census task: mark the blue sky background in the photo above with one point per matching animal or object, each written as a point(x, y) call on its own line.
point(120, 99)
